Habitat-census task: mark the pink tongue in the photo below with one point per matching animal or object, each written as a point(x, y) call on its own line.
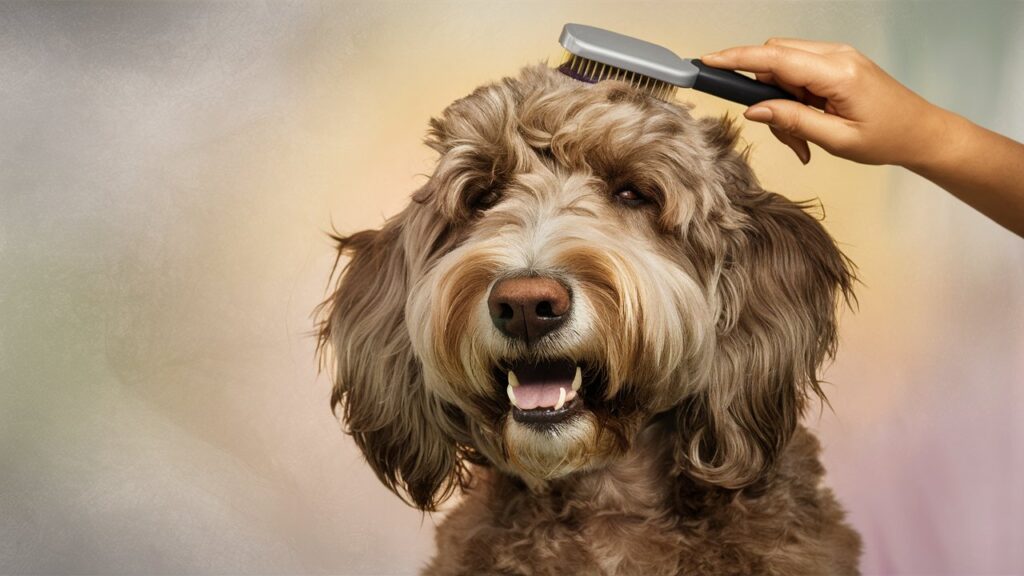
point(530, 396)
point(540, 384)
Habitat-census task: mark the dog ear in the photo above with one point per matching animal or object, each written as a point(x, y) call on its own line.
point(404, 431)
point(778, 279)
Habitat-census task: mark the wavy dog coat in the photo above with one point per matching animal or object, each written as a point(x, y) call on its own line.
point(698, 308)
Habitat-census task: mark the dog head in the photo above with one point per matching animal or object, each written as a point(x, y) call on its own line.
point(583, 259)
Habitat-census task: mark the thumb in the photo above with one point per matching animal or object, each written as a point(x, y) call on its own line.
point(799, 120)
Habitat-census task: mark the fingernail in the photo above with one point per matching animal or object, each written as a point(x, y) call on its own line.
point(710, 56)
point(758, 114)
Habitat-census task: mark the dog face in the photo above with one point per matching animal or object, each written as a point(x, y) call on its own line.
point(584, 258)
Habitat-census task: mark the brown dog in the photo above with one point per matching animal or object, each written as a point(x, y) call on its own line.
point(595, 324)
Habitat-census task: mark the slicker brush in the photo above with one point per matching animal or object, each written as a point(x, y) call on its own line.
point(594, 54)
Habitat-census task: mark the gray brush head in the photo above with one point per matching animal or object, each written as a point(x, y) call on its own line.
point(624, 55)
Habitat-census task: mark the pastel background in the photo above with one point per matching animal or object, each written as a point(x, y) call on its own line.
point(167, 175)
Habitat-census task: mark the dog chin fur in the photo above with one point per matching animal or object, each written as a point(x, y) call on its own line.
point(702, 309)
point(543, 455)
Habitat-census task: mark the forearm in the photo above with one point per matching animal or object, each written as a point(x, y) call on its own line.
point(978, 166)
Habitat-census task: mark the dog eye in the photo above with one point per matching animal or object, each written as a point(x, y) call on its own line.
point(484, 199)
point(629, 196)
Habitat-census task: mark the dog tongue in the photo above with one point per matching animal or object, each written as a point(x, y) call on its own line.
point(540, 385)
point(530, 396)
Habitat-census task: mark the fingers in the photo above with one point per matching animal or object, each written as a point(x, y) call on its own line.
point(793, 66)
point(798, 146)
point(800, 123)
point(801, 93)
point(861, 109)
point(769, 78)
point(810, 45)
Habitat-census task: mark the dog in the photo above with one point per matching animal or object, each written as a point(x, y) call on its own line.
point(595, 326)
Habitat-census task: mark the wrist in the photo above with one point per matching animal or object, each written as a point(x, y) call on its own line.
point(940, 142)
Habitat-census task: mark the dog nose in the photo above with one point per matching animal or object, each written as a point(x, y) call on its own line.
point(527, 308)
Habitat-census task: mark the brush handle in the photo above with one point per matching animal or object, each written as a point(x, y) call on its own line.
point(735, 86)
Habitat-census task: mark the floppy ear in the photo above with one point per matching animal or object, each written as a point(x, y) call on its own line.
point(778, 280)
point(404, 431)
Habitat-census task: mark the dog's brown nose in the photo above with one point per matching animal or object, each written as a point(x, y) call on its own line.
point(527, 308)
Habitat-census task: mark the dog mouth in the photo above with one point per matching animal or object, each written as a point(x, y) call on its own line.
point(543, 393)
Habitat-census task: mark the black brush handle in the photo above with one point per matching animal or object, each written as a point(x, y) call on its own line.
point(735, 86)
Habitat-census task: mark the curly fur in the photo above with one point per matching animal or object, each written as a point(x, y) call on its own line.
point(702, 317)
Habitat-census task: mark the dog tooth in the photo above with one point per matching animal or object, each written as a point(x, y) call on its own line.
point(513, 381)
point(577, 380)
point(511, 395)
point(561, 398)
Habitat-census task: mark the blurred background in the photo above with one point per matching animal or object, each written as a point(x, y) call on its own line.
point(168, 172)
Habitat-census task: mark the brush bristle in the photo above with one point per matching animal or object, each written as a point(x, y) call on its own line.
point(592, 72)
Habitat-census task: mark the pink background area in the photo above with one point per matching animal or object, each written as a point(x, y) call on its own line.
point(167, 175)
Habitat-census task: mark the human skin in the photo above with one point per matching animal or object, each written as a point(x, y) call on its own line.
point(853, 109)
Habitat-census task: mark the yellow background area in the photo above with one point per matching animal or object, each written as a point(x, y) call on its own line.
point(168, 173)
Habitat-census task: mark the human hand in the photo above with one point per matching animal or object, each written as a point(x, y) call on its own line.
point(867, 115)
